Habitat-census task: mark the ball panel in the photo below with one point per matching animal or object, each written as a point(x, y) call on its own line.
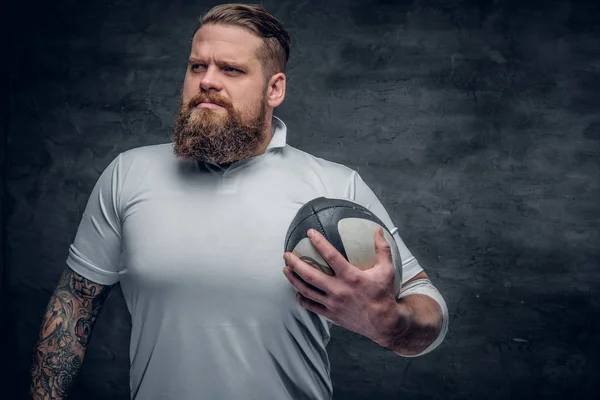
point(304, 220)
point(315, 214)
point(307, 253)
point(358, 237)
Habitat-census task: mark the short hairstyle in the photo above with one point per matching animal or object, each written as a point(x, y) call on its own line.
point(275, 50)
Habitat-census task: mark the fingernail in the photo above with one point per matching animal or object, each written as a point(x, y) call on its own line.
point(311, 233)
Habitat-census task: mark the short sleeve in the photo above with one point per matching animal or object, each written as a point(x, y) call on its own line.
point(364, 196)
point(95, 252)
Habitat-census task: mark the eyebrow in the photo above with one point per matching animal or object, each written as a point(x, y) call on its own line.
point(229, 63)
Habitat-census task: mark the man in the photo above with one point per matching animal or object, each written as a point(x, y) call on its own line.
point(193, 231)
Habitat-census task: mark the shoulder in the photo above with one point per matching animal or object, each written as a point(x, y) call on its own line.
point(310, 163)
point(148, 152)
point(138, 162)
point(144, 157)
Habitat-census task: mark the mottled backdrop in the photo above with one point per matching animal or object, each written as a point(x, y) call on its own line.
point(477, 124)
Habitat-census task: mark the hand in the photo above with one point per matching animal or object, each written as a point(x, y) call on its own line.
point(361, 301)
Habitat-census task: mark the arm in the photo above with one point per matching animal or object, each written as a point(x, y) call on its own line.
point(419, 317)
point(417, 321)
point(64, 335)
point(364, 301)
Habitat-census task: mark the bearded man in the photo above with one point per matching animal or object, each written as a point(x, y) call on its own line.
point(193, 232)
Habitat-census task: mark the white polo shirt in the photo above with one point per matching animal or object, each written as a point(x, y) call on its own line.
point(198, 252)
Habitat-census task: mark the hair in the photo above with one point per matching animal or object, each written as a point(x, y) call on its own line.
point(274, 53)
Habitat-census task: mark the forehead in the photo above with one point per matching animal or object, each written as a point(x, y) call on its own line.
point(225, 42)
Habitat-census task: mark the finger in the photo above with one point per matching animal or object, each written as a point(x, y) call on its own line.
point(383, 251)
point(307, 273)
point(313, 306)
point(334, 258)
point(305, 289)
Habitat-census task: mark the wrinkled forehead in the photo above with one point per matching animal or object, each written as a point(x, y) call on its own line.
point(226, 41)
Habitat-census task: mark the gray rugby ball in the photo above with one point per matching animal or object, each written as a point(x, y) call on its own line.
point(348, 226)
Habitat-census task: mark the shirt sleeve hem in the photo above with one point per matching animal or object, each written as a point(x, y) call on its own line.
point(90, 271)
point(410, 269)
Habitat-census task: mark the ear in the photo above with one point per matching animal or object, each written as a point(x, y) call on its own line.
point(276, 90)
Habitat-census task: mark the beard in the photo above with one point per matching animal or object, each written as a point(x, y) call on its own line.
point(218, 136)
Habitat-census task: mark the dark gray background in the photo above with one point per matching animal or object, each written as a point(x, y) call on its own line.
point(476, 123)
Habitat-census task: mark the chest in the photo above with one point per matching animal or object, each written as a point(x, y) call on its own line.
point(211, 248)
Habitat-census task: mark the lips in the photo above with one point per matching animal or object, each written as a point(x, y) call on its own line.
point(209, 106)
point(208, 102)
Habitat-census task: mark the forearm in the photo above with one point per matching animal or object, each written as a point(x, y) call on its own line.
point(57, 355)
point(64, 335)
point(418, 325)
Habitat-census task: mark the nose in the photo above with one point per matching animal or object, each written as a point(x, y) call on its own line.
point(210, 80)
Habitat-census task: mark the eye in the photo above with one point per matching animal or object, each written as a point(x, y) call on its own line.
point(232, 69)
point(194, 67)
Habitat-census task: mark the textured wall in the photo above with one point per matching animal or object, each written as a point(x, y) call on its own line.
point(4, 100)
point(477, 124)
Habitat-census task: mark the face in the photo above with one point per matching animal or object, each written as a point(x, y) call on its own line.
point(224, 70)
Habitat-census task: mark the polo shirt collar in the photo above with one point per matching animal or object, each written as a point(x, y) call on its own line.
point(279, 134)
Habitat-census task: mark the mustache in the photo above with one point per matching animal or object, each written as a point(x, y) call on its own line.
point(199, 98)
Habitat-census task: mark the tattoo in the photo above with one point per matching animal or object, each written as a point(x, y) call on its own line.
point(65, 333)
point(83, 330)
point(422, 331)
point(314, 263)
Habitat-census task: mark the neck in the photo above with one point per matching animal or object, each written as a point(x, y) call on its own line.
point(268, 137)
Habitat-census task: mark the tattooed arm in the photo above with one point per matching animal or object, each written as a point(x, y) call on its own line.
point(65, 333)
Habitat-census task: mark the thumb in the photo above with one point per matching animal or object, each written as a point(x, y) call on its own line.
point(383, 251)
